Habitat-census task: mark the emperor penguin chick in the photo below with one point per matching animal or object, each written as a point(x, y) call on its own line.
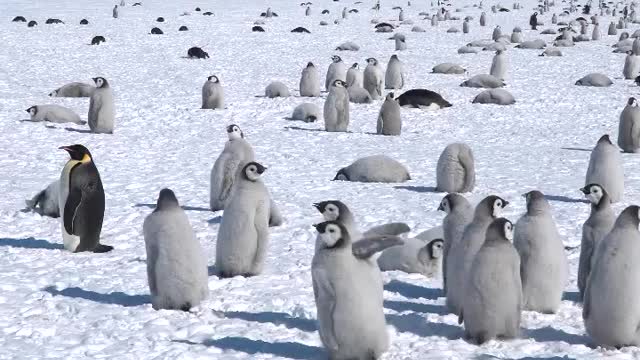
point(375, 168)
point(354, 76)
point(101, 108)
point(629, 127)
point(416, 256)
point(543, 263)
point(237, 152)
point(462, 253)
point(350, 308)
point(499, 65)
point(459, 214)
point(45, 202)
point(243, 236)
point(605, 168)
point(395, 76)
point(455, 171)
point(389, 120)
point(336, 108)
point(212, 94)
point(492, 303)
point(337, 71)
point(310, 81)
point(373, 80)
point(611, 311)
point(597, 226)
point(176, 263)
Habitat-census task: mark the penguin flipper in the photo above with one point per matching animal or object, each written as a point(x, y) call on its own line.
point(394, 229)
point(368, 246)
point(326, 302)
point(70, 208)
point(275, 217)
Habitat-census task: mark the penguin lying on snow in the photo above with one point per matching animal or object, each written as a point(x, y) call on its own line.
point(348, 46)
point(532, 44)
point(494, 96)
point(84, 22)
point(196, 52)
point(54, 114)
point(97, 40)
point(19, 19)
point(306, 112)
point(156, 31)
point(483, 81)
point(74, 89)
point(376, 168)
point(32, 23)
point(595, 79)
point(276, 89)
point(448, 68)
point(183, 28)
point(423, 98)
point(300, 29)
point(416, 256)
point(54, 21)
point(45, 202)
point(257, 29)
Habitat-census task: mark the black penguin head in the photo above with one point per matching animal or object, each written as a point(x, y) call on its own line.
point(253, 170)
point(332, 234)
point(213, 79)
point(310, 64)
point(491, 206)
point(341, 175)
point(339, 83)
point(500, 229)
point(336, 59)
point(435, 248)
point(629, 217)
point(355, 66)
point(234, 132)
point(595, 193)
point(101, 82)
point(394, 56)
point(78, 152)
point(166, 200)
point(311, 118)
point(372, 61)
point(53, 93)
point(605, 139)
point(32, 110)
point(390, 96)
point(332, 209)
point(632, 101)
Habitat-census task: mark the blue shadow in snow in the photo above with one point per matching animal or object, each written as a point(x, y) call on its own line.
point(571, 296)
point(30, 243)
point(565, 199)
point(288, 350)
point(413, 291)
point(491, 357)
point(184, 207)
point(418, 189)
point(549, 334)
point(114, 298)
point(418, 325)
point(275, 318)
point(215, 220)
point(402, 306)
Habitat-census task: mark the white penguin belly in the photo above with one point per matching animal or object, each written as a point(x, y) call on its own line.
point(70, 242)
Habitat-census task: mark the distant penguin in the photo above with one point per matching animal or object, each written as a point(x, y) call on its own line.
point(196, 52)
point(45, 202)
point(533, 21)
point(84, 22)
point(395, 75)
point(307, 11)
point(344, 13)
point(373, 79)
point(492, 302)
point(596, 35)
point(212, 93)
point(276, 89)
point(389, 120)
point(494, 96)
point(629, 127)
point(597, 226)
point(465, 27)
point(422, 99)
point(350, 309)
point(97, 40)
point(455, 171)
point(101, 108)
point(401, 15)
point(306, 112)
point(358, 95)
point(376, 168)
point(416, 256)
point(354, 76)
point(32, 23)
point(82, 202)
point(74, 89)
point(516, 36)
point(448, 68)
point(401, 44)
point(156, 31)
point(499, 65)
point(631, 68)
point(337, 71)
point(605, 168)
point(483, 81)
point(612, 29)
point(19, 19)
point(336, 108)
point(243, 235)
point(176, 262)
point(54, 113)
point(544, 267)
point(237, 152)
point(611, 311)
point(483, 19)
point(462, 253)
point(554, 19)
point(310, 81)
point(115, 12)
point(497, 33)
point(595, 79)
point(459, 214)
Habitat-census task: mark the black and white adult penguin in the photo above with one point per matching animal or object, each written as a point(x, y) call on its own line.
point(81, 202)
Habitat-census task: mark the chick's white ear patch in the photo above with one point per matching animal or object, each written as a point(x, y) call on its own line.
point(508, 231)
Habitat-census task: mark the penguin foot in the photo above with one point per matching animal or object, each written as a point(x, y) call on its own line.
point(102, 248)
point(186, 307)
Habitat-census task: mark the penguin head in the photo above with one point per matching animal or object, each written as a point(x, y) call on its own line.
point(339, 83)
point(253, 170)
point(54, 93)
point(372, 61)
point(341, 175)
point(234, 132)
point(101, 82)
point(499, 51)
point(332, 234)
point(32, 110)
point(594, 193)
point(435, 249)
point(629, 216)
point(214, 79)
point(390, 96)
point(605, 139)
point(336, 59)
point(491, 206)
point(632, 101)
point(445, 204)
point(166, 200)
point(310, 64)
point(355, 66)
point(500, 229)
point(331, 210)
point(394, 56)
point(78, 152)
point(535, 202)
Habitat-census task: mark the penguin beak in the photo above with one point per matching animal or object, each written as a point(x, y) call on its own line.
point(28, 109)
point(440, 207)
point(261, 170)
point(505, 203)
point(584, 191)
point(65, 148)
point(317, 206)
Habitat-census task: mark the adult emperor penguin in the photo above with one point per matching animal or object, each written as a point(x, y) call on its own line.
point(354, 76)
point(462, 253)
point(629, 127)
point(212, 93)
point(337, 71)
point(176, 263)
point(81, 202)
point(310, 81)
point(611, 311)
point(605, 168)
point(499, 65)
point(350, 308)
point(492, 302)
point(459, 214)
point(543, 264)
point(336, 108)
point(237, 152)
point(389, 120)
point(597, 226)
point(101, 108)
point(455, 171)
point(243, 236)
point(373, 80)
point(395, 74)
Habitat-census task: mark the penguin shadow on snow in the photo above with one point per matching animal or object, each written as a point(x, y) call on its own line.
point(307, 129)
point(114, 298)
point(571, 296)
point(402, 306)
point(413, 291)
point(30, 243)
point(418, 189)
point(418, 325)
point(275, 318)
point(491, 357)
point(565, 199)
point(81, 131)
point(184, 207)
point(289, 350)
point(549, 334)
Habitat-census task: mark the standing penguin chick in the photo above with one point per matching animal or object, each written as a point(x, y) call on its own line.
point(401, 44)
point(631, 67)
point(241, 247)
point(459, 214)
point(354, 76)
point(376, 168)
point(483, 19)
point(605, 168)
point(611, 311)
point(81, 202)
point(543, 263)
point(212, 94)
point(389, 120)
point(499, 65)
point(455, 171)
point(237, 152)
point(492, 304)
point(373, 80)
point(101, 108)
point(395, 74)
point(597, 226)
point(176, 263)
point(350, 308)
point(497, 33)
point(337, 71)
point(336, 108)
point(115, 12)
point(629, 127)
point(310, 81)
point(533, 21)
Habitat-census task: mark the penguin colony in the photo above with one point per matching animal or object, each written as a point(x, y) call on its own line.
point(492, 269)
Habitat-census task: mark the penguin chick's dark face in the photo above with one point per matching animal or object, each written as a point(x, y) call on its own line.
point(213, 79)
point(101, 82)
point(78, 152)
point(492, 205)
point(330, 209)
point(372, 61)
point(445, 205)
point(593, 193)
point(53, 93)
point(390, 96)
point(253, 170)
point(166, 200)
point(339, 83)
point(341, 175)
point(632, 100)
point(355, 66)
point(32, 110)
point(435, 248)
point(310, 64)
point(234, 132)
point(332, 234)
point(336, 59)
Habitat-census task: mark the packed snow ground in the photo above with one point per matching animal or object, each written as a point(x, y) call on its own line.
point(56, 304)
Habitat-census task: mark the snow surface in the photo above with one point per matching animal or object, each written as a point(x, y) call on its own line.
point(56, 304)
